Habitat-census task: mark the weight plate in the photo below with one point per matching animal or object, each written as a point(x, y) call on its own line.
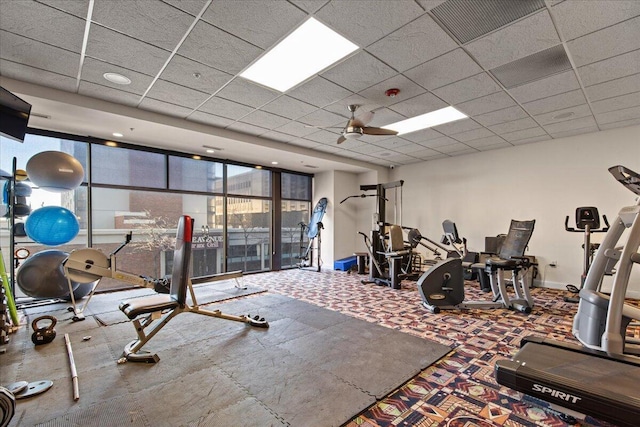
point(34, 388)
point(90, 258)
point(16, 387)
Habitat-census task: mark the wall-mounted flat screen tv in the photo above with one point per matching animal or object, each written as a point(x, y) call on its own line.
point(14, 115)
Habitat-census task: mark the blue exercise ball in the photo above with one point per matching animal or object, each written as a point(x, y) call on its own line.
point(52, 225)
point(42, 275)
point(55, 171)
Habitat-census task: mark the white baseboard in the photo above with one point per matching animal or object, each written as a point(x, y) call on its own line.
point(563, 286)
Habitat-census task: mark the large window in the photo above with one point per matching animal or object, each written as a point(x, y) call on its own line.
point(130, 189)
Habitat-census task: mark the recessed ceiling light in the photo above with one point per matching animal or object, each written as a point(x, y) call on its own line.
point(210, 150)
point(274, 163)
point(196, 157)
point(309, 49)
point(258, 167)
point(434, 118)
point(111, 144)
point(117, 78)
point(563, 115)
point(117, 134)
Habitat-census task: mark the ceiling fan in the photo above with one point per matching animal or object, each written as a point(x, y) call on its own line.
point(356, 126)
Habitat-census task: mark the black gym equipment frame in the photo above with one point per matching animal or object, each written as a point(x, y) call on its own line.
point(575, 379)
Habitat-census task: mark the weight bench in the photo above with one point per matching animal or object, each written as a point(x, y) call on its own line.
point(156, 311)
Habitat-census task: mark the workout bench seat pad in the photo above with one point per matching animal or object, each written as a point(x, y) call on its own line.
point(135, 307)
point(503, 263)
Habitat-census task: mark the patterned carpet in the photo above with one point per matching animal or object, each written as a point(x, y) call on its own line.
point(459, 390)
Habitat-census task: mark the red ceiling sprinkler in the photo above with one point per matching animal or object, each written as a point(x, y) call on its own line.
point(392, 93)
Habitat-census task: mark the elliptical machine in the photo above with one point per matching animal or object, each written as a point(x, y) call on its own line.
point(442, 286)
point(587, 222)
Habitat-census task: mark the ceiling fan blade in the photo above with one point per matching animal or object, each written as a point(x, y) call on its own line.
point(378, 131)
point(365, 118)
point(341, 139)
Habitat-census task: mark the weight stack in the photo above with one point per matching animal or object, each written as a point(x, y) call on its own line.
point(4, 319)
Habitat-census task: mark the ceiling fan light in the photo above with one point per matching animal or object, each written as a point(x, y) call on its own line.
point(352, 135)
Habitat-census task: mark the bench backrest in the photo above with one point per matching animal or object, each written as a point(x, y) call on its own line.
point(182, 259)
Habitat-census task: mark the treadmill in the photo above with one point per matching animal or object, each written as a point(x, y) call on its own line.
point(578, 380)
point(601, 377)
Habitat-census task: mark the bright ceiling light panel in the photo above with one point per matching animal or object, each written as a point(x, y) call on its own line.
point(311, 48)
point(434, 118)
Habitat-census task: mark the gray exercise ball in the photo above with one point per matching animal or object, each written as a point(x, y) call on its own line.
point(55, 171)
point(42, 275)
point(81, 291)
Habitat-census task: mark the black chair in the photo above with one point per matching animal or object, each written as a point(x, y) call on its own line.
point(156, 311)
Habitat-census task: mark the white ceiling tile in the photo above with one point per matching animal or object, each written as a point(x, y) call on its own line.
point(106, 45)
point(472, 134)
point(559, 115)
point(353, 19)
point(413, 44)
point(16, 71)
point(225, 108)
point(319, 92)
point(247, 93)
point(291, 108)
point(409, 149)
point(324, 136)
point(430, 4)
point(573, 132)
point(616, 103)
point(359, 72)
point(277, 136)
point(620, 124)
point(309, 6)
point(93, 71)
point(523, 141)
point(377, 95)
point(181, 70)
point(497, 146)
point(469, 88)
point(221, 50)
point(618, 115)
point(462, 152)
point(143, 20)
point(456, 127)
point(443, 70)
point(392, 143)
point(522, 134)
point(500, 116)
point(523, 38)
point(612, 68)
point(108, 94)
point(259, 22)
point(556, 84)
point(296, 129)
point(439, 142)
point(385, 116)
point(164, 108)
point(351, 143)
point(368, 149)
point(329, 148)
point(323, 118)
point(209, 119)
point(38, 55)
point(425, 153)
point(341, 106)
point(265, 120)
point(42, 23)
point(577, 18)
point(567, 125)
point(453, 148)
point(520, 124)
point(606, 43)
point(300, 142)
point(417, 105)
point(77, 8)
point(555, 103)
point(486, 104)
point(176, 94)
point(192, 7)
point(484, 142)
point(612, 88)
point(247, 128)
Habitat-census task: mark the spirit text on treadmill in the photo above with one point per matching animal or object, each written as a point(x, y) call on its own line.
point(556, 393)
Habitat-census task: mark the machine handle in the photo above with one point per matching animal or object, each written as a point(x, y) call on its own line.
point(626, 177)
point(571, 229)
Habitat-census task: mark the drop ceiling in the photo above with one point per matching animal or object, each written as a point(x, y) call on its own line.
point(523, 71)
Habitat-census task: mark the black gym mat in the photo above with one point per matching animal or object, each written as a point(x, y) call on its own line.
point(313, 367)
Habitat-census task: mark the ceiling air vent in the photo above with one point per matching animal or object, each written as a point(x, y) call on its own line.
point(310, 166)
point(468, 20)
point(533, 67)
